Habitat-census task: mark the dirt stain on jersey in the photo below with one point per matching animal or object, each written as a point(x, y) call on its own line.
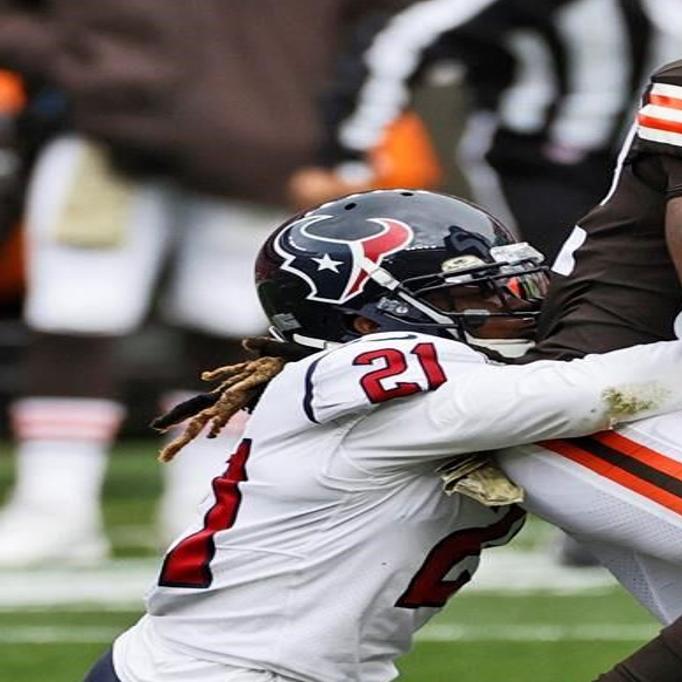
point(626, 402)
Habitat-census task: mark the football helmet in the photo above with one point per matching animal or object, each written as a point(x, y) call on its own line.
point(383, 255)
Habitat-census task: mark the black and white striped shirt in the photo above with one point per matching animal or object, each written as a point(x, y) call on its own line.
point(559, 76)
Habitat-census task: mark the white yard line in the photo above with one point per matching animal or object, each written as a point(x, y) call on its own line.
point(508, 571)
point(450, 632)
point(117, 585)
point(602, 632)
point(28, 634)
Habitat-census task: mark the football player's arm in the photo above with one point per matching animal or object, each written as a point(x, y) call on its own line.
point(672, 166)
point(673, 232)
point(486, 407)
point(658, 136)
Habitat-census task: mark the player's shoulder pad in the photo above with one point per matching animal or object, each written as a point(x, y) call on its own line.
point(659, 119)
point(358, 376)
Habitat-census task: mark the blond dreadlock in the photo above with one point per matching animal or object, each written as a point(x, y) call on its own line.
point(240, 387)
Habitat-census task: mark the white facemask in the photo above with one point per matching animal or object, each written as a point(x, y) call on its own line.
point(507, 348)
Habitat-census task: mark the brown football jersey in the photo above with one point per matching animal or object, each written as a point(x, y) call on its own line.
point(614, 284)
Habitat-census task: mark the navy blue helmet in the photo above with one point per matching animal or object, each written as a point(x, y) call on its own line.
point(382, 255)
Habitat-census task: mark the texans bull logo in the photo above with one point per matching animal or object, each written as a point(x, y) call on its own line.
point(336, 269)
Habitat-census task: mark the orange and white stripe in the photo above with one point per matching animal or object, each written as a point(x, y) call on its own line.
point(628, 463)
point(66, 419)
point(660, 119)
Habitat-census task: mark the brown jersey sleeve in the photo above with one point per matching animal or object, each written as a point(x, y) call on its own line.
point(659, 119)
point(621, 287)
point(661, 172)
point(672, 169)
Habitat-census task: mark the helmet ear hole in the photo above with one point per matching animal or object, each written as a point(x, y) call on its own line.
point(362, 325)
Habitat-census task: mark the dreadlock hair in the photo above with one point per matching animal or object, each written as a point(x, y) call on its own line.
point(241, 385)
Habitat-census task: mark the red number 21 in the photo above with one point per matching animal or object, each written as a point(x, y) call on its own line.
point(395, 363)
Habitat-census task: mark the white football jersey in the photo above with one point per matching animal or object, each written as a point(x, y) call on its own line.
point(327, 542)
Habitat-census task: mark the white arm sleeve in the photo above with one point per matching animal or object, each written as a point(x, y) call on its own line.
point(487, 406)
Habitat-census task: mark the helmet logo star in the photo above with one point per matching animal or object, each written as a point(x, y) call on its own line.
point(328, 263)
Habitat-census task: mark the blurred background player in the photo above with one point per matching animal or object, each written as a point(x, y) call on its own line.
point(13, 170)
point(12, 104)
point(182, 123)
point(551, 85)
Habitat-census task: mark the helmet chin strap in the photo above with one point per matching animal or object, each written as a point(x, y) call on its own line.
point(311, 342)
point(507, 348)
point(308, 341)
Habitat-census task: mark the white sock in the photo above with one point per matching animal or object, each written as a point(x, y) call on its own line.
point(62, 451)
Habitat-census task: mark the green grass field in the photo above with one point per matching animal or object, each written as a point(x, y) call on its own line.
point(562, 634)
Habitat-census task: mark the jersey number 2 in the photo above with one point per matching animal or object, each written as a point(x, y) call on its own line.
point(395, 363)
point(187, 564)
point(429, 587)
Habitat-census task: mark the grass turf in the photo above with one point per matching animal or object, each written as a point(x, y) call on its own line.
point(60, 644)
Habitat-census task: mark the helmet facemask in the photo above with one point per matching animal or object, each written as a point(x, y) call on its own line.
point(487, 304)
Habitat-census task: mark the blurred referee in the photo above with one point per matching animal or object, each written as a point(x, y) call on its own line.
point(551, 85)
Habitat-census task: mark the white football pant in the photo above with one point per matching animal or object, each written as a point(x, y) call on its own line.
point(620, 494)
point(97, 242)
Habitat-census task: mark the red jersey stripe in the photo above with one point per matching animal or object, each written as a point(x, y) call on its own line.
point(665, 101)
point(660, 123)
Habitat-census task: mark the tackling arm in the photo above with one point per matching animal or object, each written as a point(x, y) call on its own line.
point(486, 407)
point(549, 399)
